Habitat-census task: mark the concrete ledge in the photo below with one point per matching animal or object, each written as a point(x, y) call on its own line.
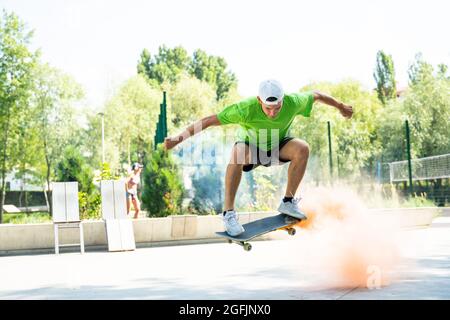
point(409, 217)
point(168, 230)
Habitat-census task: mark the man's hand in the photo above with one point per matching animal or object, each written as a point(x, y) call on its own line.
point(171, 142)
point(346, 111)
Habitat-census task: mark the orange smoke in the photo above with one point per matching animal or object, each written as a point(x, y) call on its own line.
point(350, 246)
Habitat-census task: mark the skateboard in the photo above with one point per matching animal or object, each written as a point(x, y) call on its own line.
point(262, 226)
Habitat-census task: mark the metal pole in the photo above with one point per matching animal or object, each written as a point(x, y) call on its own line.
point(164, 115)
point(408, 154)
point(329, 150)
point(103, 136)
point(378, 172)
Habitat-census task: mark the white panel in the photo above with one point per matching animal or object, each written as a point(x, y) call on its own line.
point(113, 235)
point(59, 201)
point(107, 199)
point(73, 212)
point(127, 234)
point(120, 199)
point(10, 208)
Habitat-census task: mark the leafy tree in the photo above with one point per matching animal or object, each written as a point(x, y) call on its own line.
point(27, 155)
point(130, 118)
point(391, 133)
point(162, 186)
point(420, 70)
point(190, 99)
point(213, 70)
point(54, 117)
point(16, 61)
point(442, 71)
point(427, 106)
point(169, 64)
point(355, 144)
point(385, 77)
point(73, 167)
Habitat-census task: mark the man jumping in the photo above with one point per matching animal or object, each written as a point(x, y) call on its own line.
point(264, 140)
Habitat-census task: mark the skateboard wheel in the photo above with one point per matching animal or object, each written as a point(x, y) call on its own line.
point(247, 247)
point(291, 231)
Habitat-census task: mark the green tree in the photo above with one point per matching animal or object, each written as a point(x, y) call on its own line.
point(213, 70)
point(442, 71)
point(171, 63)
point(130, 118)
point(420, 70)
point(16, 62)
point(385, 77)
point(54, 117)
point(427, 106)
point(189, 100)
point(355, 144)
point(73, 167)
point(27, 152)
point(165, 66)
point(162, 185)
point(391, 133)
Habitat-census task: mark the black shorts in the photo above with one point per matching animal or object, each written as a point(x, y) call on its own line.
point(265, 158)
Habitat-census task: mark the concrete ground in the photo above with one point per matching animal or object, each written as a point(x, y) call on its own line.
point(277, 269)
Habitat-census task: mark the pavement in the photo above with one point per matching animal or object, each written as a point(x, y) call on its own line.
point(276, 269)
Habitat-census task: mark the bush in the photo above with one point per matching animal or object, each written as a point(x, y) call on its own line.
point(418, 201)
point(90, 205)
point(162, 186)
point(106, 173)
point(73, 167)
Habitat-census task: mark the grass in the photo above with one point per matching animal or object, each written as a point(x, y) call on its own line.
point(398, 203)
point(418, 201)
point(391, 198)
point(24, 218)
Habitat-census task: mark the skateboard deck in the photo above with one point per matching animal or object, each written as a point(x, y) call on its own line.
point(262, 226)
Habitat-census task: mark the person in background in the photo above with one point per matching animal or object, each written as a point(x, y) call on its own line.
point(132, 181)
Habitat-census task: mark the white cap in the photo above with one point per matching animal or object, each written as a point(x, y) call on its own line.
point(270, 89)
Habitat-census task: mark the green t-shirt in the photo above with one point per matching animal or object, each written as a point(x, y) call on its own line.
point(257, 127)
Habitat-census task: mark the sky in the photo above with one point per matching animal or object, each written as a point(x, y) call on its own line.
point(297, 42)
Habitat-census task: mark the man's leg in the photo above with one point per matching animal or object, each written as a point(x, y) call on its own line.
point(240, 155)
point(297, 151)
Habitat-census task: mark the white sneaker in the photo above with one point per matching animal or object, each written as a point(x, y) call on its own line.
point(232, 226)
point(291, 209)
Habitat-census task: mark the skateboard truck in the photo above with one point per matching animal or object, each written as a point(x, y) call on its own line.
point(247, 246)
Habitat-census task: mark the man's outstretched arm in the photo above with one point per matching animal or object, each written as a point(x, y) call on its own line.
point(345, 109)
point(171, 142)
